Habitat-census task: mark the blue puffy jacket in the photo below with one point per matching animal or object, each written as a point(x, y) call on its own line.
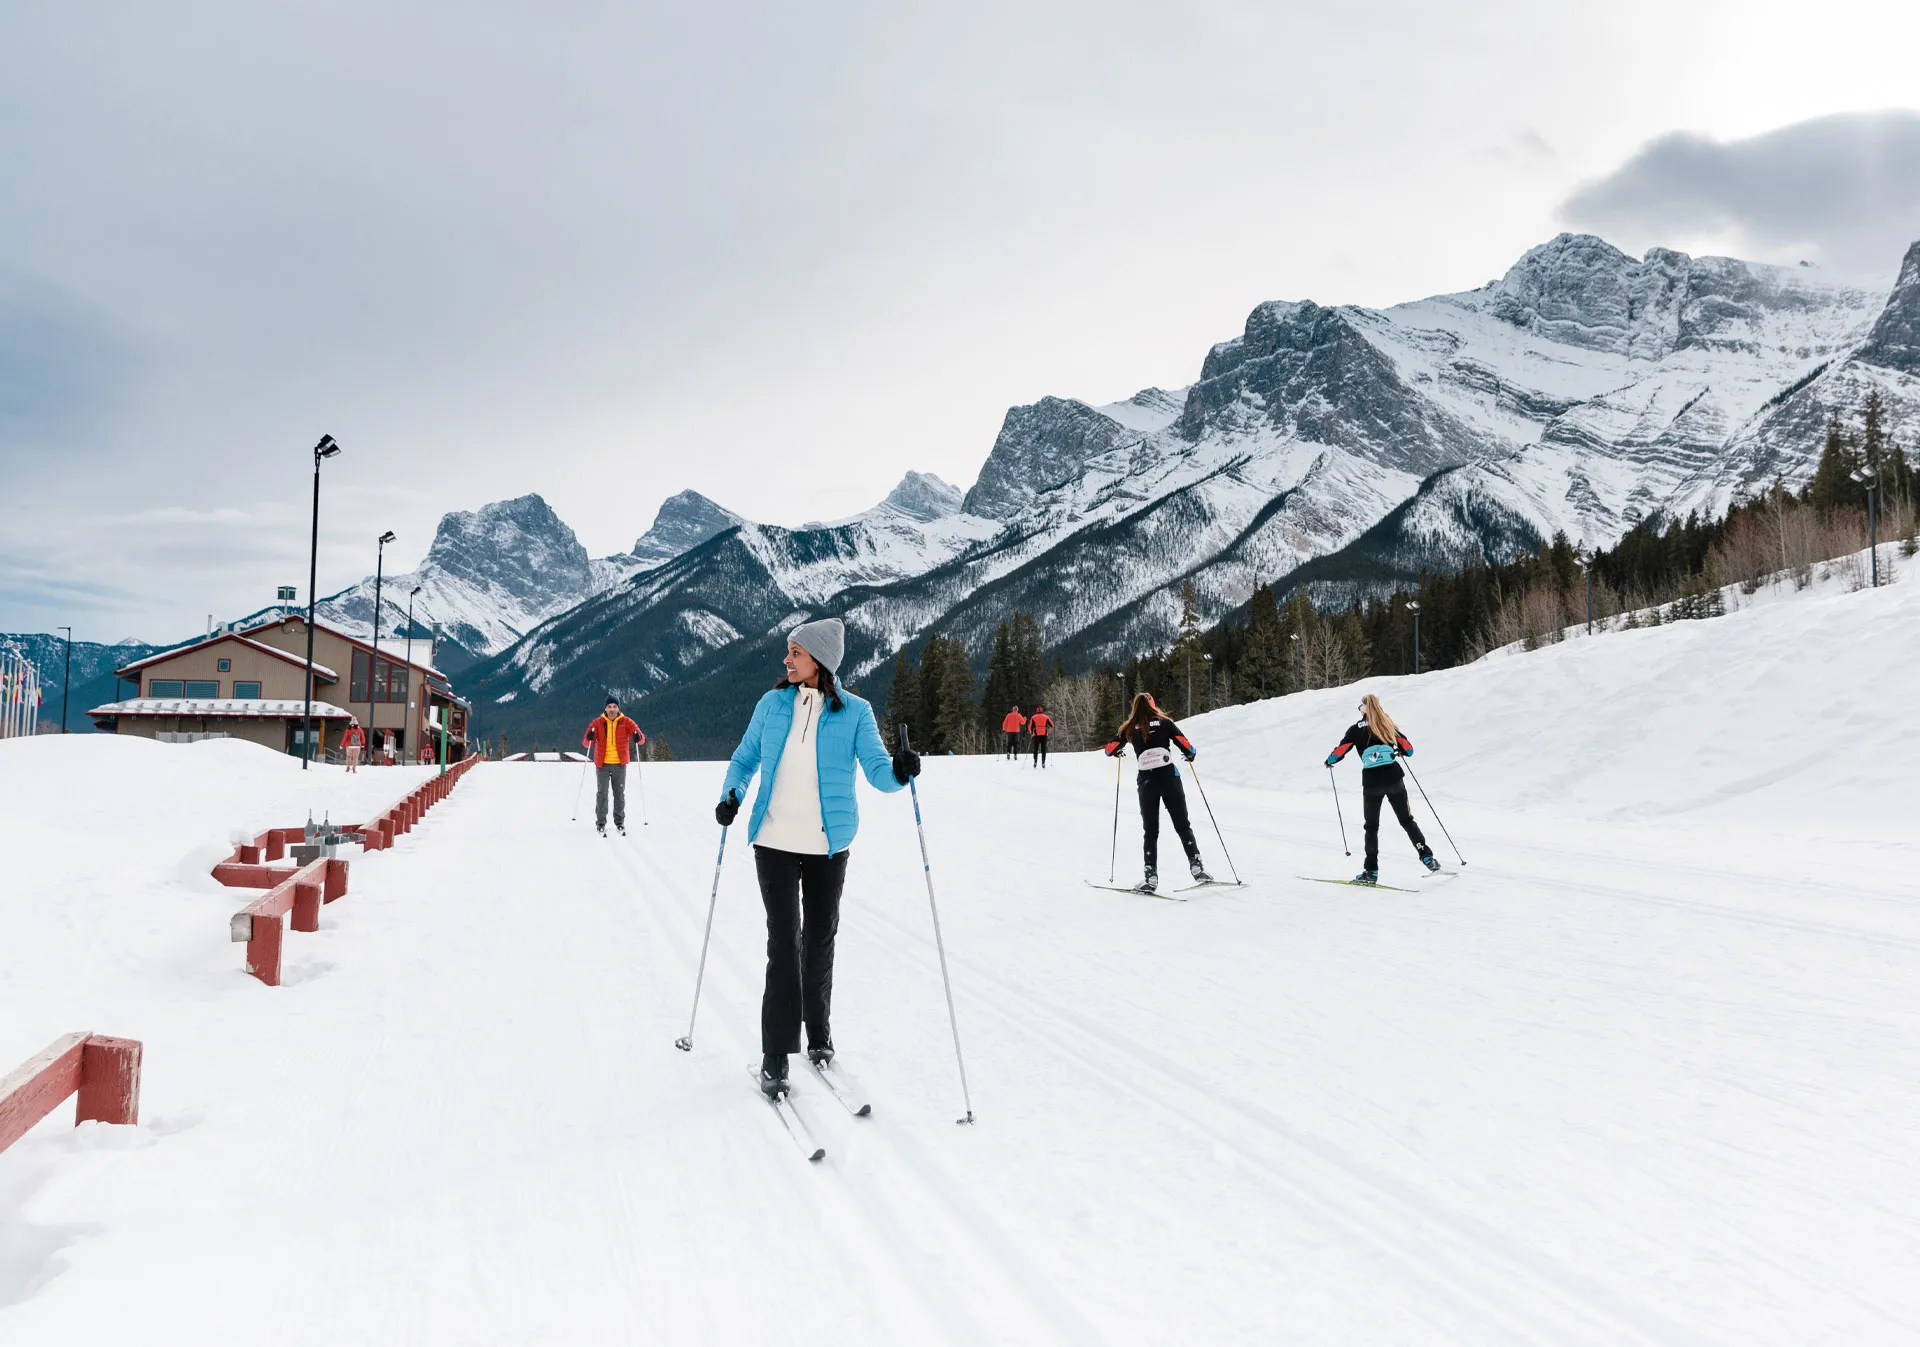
point(846, 736)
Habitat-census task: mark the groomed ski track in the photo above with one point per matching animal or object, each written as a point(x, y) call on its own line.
point(1640, 1074)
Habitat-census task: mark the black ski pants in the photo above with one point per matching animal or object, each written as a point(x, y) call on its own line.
point(1039, 750)
point(802, 898)
point(1397, 794)
point(1013, 743)
point(610, 774)
point(1159, 786)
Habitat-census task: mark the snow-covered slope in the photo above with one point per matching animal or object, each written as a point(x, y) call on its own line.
point(1640, 1073)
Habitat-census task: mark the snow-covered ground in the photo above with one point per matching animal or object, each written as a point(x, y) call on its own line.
point(1641, 1072)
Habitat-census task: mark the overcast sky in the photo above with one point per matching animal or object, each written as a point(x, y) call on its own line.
point(783, 252)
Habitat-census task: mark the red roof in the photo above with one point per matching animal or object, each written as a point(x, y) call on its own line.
point(320, 671)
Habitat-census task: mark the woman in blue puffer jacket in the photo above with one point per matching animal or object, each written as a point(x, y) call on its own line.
point(805, 739)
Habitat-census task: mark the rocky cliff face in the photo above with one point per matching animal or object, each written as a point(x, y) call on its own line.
point(683, 523)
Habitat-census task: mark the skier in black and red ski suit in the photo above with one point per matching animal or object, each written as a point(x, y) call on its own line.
point(1381, 779)
point(1154, 737)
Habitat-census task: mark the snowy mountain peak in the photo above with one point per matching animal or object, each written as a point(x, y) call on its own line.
point(1894, 342)
point(519, 545)
point(1149, 410)
point(682, 523)
point(924, 497)
point(1040, 446)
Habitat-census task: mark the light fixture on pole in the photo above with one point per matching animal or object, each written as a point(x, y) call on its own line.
point(324, 450)
point(1869, 477)
point(409, 656)
point(66, 682)
point(1414, 608)
point(373, 664)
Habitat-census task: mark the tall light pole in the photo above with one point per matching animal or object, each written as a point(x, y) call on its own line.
point(1869, 477)
point(373, 664)
point(1209, 663)
point(1189, 679)
point(66, 682)
point(324, 450)
point(1300, 659)
point(422, 700)
point(1414, 608)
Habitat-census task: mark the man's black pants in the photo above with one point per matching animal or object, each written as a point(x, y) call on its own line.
point(1161, 786)
point(1013, 743)
point(1397, 793)
point(802, 898)
point(610, 774)
point(1039, 749)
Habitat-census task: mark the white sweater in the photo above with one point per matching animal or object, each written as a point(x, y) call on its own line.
point(793, 821)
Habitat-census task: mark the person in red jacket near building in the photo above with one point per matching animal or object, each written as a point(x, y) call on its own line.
point(1040, 725)
point(1013, 724)
point(611, 739)
point(351, 743)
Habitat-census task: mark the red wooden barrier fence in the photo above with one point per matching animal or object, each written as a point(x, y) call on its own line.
point(104, 1072)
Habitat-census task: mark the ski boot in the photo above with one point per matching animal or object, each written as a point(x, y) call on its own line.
point(1367, 877)
point(600, 828)
point(821, 1054)
point(1149, 884)
point(1427, 859)
point(622, 828)
point(1200, 875)
point(773, 1075)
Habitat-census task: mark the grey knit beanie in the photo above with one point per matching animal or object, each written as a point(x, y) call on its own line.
point(825, 640)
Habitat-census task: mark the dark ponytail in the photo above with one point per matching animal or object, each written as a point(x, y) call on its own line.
point(824, 681)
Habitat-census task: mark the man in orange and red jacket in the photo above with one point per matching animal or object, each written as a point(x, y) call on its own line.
point(610, 741)
point(1013, 724)
point(1040, 725)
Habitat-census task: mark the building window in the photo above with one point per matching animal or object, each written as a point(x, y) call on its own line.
point(226, 666)
point(389, 680)
point(246, 692)
point(164, 687)
point(203, 690)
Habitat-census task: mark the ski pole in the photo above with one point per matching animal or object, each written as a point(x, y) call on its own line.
point(1435, 812)
point(640, 775)
point(686, 1044)
point(939, 943)
point(1336, 810)
point(577, 789)
point(1214, 821)
point(1113, 853)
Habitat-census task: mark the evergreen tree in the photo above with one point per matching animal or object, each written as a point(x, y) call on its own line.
point(903, 700)
point(1028, 661)
point(1833, 483)
point(1265, 664)
point(1003, 690)
point(956, 727)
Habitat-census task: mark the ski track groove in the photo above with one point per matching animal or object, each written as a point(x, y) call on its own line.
point(1398, 1198)
point(955, 1321)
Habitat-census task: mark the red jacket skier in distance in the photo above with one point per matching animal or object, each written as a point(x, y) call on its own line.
point(625, 737)
point(1014, 721)
point(1040, 722)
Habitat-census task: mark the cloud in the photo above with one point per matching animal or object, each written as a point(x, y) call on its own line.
point(1844, 190)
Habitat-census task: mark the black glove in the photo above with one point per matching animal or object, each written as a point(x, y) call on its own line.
point(1190, 754)
point(728, 809)
point(906, 764)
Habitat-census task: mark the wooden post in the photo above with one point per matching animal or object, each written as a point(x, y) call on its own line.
point(336, 880)
point(109, 1081)
point(263, 949)
point(306, 905)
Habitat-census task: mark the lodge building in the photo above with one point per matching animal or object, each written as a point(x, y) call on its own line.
point(249, 682)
